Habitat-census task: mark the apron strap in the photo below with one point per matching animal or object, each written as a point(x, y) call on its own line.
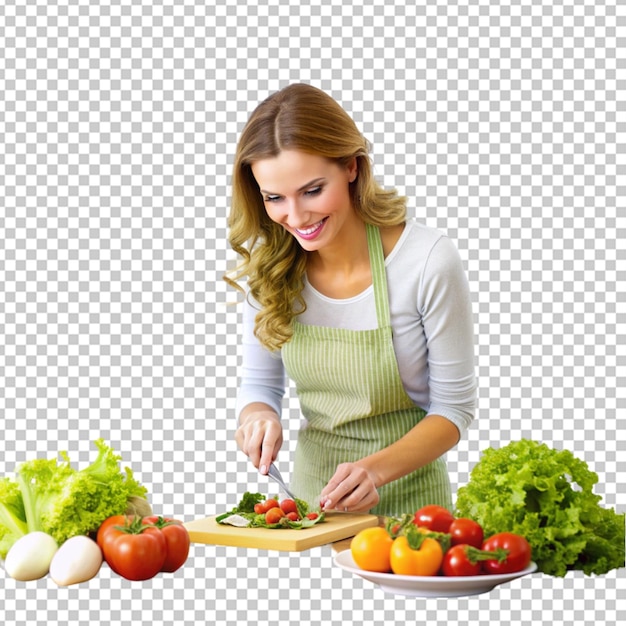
point(379, 275)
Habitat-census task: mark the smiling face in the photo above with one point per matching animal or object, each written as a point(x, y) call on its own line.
point(308, 196)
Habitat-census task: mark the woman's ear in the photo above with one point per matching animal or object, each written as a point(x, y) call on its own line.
point(353, 169)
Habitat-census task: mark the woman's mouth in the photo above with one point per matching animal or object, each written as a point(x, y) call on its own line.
point(310, 232)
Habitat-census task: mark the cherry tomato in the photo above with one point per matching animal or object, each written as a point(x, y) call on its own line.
point(176, 539)
point(135, 551)
point(272, 503)
point(293, 516)
point(274, 515)
point(463, 530)
point(312, 516)
point(289, 506)
point(434, 517)
point(457, 563)
point(259, 508)
point(515, 553)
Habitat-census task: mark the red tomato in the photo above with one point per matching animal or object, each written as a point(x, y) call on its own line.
point(293, 516)
point(434, 517)
point(463, 530)
point(457, 563)
point(176, 539)
point(259, 508)
point(312, 515)
point(514, 551)
point(137, 551)
point(114, 520)
point(272, 503)
point(289, 506)
point(274, 515)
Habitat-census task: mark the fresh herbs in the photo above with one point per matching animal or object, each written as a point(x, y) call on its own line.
point(546, 496)
point(247, 502)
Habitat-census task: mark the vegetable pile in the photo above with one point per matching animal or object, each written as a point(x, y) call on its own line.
point(255, 510)
point(136, 548)
point(60, 521)
point(545, 495)
point(53, 497)
point(433, 542)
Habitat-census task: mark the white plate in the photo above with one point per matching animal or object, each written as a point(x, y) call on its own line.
point(430, 586)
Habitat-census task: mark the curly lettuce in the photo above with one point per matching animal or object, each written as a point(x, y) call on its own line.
point(53, 497)
point(12, 517)
point(547, 496)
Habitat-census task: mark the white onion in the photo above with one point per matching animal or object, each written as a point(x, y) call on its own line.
point(77, 560)
point(30, 556)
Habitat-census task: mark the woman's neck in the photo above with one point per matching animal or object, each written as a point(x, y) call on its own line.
point(343, 269)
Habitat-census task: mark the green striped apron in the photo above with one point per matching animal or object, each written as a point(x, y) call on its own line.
point(354, 402)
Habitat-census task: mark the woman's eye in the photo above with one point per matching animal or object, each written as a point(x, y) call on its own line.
point(314, 191)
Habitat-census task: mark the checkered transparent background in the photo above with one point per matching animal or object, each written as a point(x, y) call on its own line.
point(118, 122)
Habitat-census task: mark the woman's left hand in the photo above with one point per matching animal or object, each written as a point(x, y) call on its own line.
point(352, 488)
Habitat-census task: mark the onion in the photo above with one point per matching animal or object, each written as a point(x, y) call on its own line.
point(77, 560)
point(30, 556)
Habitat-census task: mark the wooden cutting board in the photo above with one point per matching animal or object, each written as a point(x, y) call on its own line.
point(335, 526)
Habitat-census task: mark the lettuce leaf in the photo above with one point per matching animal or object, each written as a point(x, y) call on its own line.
point(12, 517)
point(53, 497)
point(547, 496)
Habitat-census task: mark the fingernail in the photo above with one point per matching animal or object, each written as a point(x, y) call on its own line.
point(263, 469)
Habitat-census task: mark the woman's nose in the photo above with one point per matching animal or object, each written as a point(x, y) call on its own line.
point(296, 216)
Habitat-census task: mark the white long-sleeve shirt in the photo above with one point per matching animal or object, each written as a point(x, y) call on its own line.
point(432, 323)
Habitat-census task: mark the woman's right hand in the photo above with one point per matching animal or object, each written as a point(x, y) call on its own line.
point(260, 435)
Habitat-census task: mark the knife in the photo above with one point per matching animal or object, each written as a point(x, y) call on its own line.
point(275, 475)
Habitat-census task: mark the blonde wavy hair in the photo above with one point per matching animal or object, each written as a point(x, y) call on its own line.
point(304, 118)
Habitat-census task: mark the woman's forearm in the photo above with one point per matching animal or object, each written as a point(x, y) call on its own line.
point(424, 443)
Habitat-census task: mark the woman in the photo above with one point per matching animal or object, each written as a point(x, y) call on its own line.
point(367, 312)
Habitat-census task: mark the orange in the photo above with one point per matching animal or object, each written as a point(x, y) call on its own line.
point(371, 549)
